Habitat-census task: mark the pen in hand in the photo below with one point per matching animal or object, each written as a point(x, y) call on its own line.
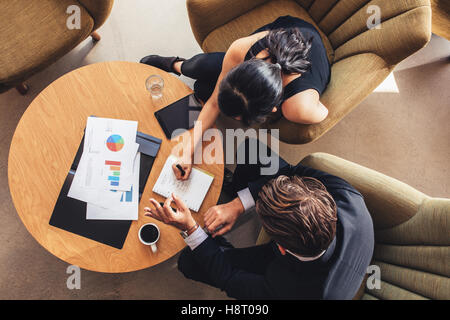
point(181, 170)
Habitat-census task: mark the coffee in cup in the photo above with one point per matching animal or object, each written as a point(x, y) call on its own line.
point(149, 235)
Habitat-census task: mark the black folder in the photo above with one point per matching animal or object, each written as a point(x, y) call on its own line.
point(70, 214)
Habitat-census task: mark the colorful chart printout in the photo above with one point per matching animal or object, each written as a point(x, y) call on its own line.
point(114, 172)
point(115, 143)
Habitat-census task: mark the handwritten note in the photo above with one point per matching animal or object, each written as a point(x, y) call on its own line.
point(192, 191)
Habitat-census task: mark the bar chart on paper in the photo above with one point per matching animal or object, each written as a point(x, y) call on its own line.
point(114, 172)
point(127, 196)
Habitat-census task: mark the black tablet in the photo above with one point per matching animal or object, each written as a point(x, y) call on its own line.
point(179, 115)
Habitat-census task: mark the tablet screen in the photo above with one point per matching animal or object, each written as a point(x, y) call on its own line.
point(179, 115)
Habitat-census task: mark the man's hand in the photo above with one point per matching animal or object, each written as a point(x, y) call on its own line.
point(181, 218)
point(224, 215)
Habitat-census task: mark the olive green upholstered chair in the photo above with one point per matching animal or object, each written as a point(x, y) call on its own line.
point(35, 34)
point(361, 58)
point(412, 232)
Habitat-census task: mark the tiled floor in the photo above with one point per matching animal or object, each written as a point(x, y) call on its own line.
point(405, 135)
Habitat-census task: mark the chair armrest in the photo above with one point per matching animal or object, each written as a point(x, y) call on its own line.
point(405, 29)
point(430, 226)
point(352, 80)
point(441, 18)
point(98, 9)
point(207, 15)
point(390, 202)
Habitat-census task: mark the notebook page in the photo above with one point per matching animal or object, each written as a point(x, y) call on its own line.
point(192, 192)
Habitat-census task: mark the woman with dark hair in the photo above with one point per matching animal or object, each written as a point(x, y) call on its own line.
point(279, 71)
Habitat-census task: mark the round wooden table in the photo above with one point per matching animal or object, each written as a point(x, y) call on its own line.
point(46, 141)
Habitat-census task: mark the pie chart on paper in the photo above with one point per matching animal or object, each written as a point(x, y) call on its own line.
point(115, 143)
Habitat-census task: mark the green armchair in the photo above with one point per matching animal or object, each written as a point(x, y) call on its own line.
point(412, 232)
point(361, 58)
point(36, 35)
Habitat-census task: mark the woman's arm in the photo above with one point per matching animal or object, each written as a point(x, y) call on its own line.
point(304, 107)
point(210, 111)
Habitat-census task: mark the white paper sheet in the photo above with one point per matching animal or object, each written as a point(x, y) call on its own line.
point(192, 191)
point(127, 206)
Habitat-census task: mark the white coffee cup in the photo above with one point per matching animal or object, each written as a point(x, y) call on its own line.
point(153, 243)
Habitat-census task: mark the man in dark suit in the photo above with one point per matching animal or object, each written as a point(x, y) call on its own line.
point(321, 231)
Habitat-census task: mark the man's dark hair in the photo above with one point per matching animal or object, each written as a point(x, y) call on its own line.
point(298, 213)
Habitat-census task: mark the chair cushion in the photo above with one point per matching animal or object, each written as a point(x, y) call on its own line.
point(221, 38)
point(35, 35)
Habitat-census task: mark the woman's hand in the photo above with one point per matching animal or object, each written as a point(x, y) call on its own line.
point(184, 161)
point(187, 168)
point(181, 218)
point(223, 216)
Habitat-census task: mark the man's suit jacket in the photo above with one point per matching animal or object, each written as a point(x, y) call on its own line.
point(335, 275)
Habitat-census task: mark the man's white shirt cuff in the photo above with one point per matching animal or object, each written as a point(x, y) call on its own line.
point(196, 238)
point(246, 198)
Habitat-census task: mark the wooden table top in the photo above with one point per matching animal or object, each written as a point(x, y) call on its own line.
point(45, 143)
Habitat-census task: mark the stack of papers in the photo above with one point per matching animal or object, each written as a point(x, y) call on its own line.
point(107, 177)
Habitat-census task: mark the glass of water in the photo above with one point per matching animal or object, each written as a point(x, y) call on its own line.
point(155, 85)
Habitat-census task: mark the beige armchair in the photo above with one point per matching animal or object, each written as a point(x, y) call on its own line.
point(412, 232)
point(36, 35)
point(441, 18)
point(361, 58)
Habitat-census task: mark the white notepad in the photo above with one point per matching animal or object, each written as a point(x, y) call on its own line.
point(192, 191)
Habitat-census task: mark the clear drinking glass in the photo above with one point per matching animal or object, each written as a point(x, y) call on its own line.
point(155, 85)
